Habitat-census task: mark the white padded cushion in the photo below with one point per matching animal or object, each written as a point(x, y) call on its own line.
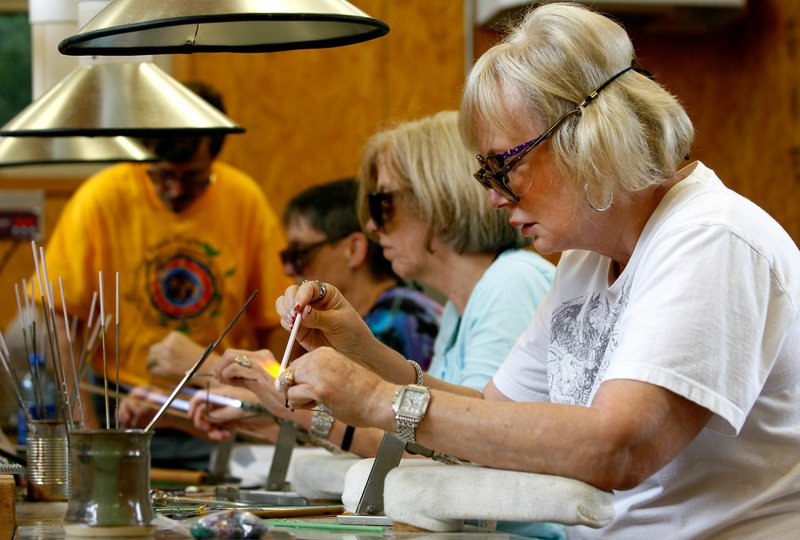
point(356, 479)
point(251, 462)
point(320, 475)
point(441, 497)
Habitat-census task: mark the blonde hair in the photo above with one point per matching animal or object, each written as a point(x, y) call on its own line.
point(631, 136)
point(429, 160)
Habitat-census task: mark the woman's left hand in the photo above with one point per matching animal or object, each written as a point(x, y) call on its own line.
point(354, 394)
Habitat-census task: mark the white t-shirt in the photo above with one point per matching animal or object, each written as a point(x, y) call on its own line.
point(707, 307)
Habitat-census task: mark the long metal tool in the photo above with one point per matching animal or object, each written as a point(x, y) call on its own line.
point(193, 370)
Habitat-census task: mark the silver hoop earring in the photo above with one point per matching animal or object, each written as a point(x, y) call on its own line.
point(593, 207)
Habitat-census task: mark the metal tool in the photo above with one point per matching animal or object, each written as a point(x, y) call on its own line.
point(369, 510)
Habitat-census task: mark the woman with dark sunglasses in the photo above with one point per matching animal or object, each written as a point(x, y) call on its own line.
point(417, 199)
point(325, 242)
point(663, 365)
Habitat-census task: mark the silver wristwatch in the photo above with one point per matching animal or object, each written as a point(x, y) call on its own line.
point(409, 406)
point(321, 423)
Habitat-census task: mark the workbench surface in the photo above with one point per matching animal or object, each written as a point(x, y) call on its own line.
point(43, 521)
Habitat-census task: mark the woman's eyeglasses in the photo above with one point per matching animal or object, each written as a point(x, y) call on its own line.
point(494, 170)
point(297, 256)
point(381, 206)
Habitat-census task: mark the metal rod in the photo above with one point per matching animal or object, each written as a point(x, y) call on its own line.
point(13, 380)
point(116, 353)
point(23, 322)
point(58, 364)
point(105, 363)
point(93, 343)
point(50, 331)
point(205, 355)
point(34, 367)
point(71, 357)
point(38, 400)
point(88, 331)
point(82, 357)
point(58, 361)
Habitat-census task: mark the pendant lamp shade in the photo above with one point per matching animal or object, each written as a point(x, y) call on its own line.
point(19, 151)
point(135, 99)
point(136, 27)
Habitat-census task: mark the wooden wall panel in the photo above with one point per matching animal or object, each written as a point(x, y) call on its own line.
point(741, 87)
point(308, 112)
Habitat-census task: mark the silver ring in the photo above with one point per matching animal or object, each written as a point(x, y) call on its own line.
point(322, 289)
point(242, 360)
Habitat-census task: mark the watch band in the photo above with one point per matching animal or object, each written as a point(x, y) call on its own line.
point(321, 424)
point(407, 429)
point(347, 439)
point(417, 370)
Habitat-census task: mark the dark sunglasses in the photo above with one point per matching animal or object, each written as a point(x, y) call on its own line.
point(494, 170)
point(297, 256)
point(381, 206)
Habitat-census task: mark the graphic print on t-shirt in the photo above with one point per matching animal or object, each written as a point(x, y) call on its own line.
point(582, 333)
point(182, 283)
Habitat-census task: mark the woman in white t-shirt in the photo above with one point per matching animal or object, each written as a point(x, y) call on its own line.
point(665, 362)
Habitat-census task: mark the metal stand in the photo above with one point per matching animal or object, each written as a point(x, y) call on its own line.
point(370, 507)
point(287, 438)
point(277, 491)
point(219, 468)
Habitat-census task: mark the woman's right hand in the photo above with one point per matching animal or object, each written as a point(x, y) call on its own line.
point(328, 319)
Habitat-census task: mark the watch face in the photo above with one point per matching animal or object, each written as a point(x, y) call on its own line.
point(413, 403)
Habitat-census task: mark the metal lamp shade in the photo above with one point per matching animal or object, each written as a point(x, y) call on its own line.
point(135, 99)
point(136, 27)
point(19, 151)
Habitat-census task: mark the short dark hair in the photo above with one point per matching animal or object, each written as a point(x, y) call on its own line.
point(330, 208)
point(181, 149)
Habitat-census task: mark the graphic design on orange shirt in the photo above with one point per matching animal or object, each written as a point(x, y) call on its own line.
point(183, 285)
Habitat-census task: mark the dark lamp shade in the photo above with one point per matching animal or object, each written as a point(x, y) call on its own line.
point(140, 27)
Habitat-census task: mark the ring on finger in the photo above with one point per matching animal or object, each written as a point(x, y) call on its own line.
point(288, 378)
point(322, 290)
point(242, 360)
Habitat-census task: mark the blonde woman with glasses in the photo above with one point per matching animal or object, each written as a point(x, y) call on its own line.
point(663, 365)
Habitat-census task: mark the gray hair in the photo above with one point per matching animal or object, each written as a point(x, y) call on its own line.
point(632, 136)
point(428, 157)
